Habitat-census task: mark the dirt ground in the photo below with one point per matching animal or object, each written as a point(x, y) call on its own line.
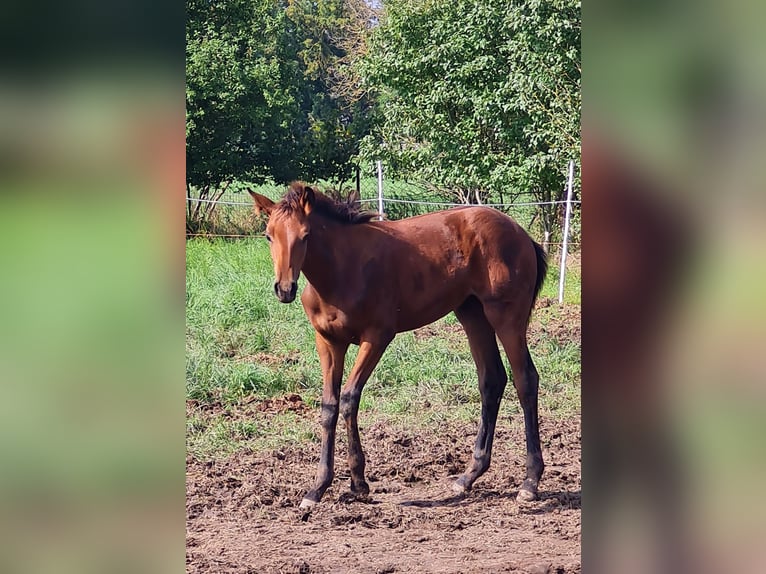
point(243, 516)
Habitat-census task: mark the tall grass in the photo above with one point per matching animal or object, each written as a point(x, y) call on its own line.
point(242, 343)
point(232, 319)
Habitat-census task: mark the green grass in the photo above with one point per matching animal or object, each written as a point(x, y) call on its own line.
point(216, 436)
point(572, 279)
point(242, 343)
point(231, 317)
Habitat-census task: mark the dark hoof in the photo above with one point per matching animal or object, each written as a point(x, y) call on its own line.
point(352, 497)
point(360, 489)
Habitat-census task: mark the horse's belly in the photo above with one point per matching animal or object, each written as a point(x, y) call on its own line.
point(423, 311)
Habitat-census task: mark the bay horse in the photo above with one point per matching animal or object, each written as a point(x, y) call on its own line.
point(369, 280)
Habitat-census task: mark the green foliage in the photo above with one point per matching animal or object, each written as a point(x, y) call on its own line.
point(476, 101)
point(259, 97)
point(241, 90)
point(478, 98)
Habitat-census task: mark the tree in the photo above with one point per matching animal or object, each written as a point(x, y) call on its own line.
point(339, 110)
point(259, 95)
point(241, 91)
point(480, 99)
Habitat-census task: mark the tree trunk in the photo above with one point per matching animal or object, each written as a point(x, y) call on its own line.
point(216, 197)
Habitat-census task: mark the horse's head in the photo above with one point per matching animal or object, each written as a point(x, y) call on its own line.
point(287, 232)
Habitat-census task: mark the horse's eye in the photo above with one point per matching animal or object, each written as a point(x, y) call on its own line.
point(268, 237)
point(304, 237)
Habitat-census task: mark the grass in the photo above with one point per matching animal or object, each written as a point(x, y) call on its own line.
point(241, 343)
point(572, 279)
point(211, 437)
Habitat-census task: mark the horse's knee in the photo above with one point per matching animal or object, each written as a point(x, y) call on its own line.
point(492, 394)
point(532, 376)
point(349, 403)
point(527, 386)
point(329, 416)
point(492, 385)
point(502, 378)
point(526, 394)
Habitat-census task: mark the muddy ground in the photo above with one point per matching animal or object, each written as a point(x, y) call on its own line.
point(243, 516)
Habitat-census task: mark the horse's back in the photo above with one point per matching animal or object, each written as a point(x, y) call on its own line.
point(482, 235)
point(481, 223)
point(480, 246)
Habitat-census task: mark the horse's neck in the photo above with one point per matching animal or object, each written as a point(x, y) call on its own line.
point(325, 255)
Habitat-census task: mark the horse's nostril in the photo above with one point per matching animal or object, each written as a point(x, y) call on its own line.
point(293, 288)
point(276, 288)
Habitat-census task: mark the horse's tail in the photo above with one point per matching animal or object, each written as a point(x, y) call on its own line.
point(542, 269)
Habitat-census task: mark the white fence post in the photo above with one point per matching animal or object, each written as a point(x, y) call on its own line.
point(380, 191)
point(566, 232)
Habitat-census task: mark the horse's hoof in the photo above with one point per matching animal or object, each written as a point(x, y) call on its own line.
point(361, 489)
point(459, 488)
point(526, 496)
point(307, 504)
point(351, 497)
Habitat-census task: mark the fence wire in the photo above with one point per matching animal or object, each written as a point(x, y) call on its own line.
point(225, 215)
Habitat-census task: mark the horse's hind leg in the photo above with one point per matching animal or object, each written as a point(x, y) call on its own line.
point(492, 381)
point(511, 328)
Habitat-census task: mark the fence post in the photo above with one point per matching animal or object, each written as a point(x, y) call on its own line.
point(566, 232)
point(358, 183)
point(380, 191)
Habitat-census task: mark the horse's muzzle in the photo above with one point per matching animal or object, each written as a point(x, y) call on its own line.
point(286, 295)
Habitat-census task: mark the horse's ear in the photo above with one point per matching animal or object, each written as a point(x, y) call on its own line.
point(262, 203)
point(307, 199)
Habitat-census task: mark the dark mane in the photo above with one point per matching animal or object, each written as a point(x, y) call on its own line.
point(340, 211)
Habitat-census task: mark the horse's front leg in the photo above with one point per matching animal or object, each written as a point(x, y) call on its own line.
point(331, 357)
point(370, 352)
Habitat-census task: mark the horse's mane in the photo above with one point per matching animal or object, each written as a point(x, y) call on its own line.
point(340, 211)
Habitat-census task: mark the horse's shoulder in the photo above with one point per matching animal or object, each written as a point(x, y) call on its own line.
point(313, 303)
point(310, 299)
